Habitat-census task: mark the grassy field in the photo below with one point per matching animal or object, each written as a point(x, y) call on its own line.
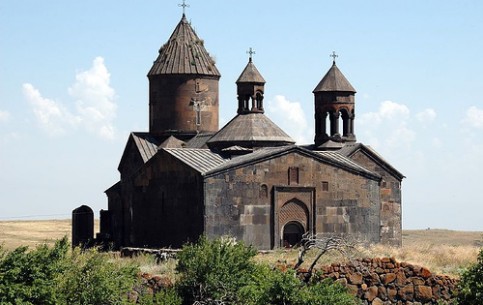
point(34, 232)
point(442, 251)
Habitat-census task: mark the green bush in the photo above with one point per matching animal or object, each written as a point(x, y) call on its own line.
point(275, 287)
point(57, 276)
point(209, 271)
point(471, 284)
point(220, 270)
point(214, 270)
point(29, 277)
point(92, 278)
point(168, 296)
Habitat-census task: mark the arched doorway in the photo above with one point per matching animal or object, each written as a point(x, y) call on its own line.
point(292, 234)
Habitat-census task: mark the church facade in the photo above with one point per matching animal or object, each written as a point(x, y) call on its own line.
point(185, 177)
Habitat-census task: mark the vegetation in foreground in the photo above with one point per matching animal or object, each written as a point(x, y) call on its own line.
point(209, 273)
point(206, 273)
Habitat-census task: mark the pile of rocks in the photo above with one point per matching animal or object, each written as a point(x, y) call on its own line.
point(384, 281)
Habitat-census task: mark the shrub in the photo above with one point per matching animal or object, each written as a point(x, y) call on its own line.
point(275, 287)
point(214, 270)
point(92, 278)
point(28, 277)
point(167, 296)
point(471, 284)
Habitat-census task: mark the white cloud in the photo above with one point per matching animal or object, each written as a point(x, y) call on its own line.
point(388, 110)
point(474, 117)
point(401, 137)
point(4, 116)
point(388, 126)
point(426, 116)
point(95, 108)
point(95, 99)
point(291, 118)
point(51, 115)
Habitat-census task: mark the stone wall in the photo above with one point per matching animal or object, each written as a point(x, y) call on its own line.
point(384, 281)
point(248, 202)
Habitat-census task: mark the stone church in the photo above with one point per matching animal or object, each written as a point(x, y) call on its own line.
point(185, 177)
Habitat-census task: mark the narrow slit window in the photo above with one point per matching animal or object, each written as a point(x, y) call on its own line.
point(293, 175)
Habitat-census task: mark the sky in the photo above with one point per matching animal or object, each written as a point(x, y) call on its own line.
point(73, 86)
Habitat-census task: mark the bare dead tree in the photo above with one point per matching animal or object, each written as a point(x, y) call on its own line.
point(324, 244)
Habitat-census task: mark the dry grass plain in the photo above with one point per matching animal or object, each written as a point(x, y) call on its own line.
point(442, 251)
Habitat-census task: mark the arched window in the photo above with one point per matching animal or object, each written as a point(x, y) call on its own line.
point(263, 191)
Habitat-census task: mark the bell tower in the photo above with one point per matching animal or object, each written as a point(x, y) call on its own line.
point(183, 86)
point(334, 102)
point(250, 88)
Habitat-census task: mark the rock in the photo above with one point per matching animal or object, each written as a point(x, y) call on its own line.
point(377, 301)
point(391, 293)
point(407, 292)
point(417, 280)
point(425, 273)
point(382, 292)
point(353, 289)
point(373, 279)
point(423, 293)
point(355, 278)
point(388, 278)
point(342, 281)
point(401, 278)
point(371, 293)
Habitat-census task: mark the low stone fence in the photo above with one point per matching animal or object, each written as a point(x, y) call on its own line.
point(376, 281)
point(384, 281)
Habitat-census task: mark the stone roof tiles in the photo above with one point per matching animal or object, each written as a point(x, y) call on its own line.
point(146, 144)
point(251, 128)
point(250, 74)
point(334, 80)
point(184, 53)
point(202, 160)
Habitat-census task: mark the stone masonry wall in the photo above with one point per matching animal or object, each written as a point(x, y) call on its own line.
point(384, 281)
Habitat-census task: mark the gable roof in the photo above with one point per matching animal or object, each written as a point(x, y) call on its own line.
point(199, 140)
point(351, 148)
point(209, 163)
point(141, 146)
point(146, 144)
point(250, 128)
point(172, 142)
point(184, 53)
point(331, 158)
point(334, 80)
point(200, 159)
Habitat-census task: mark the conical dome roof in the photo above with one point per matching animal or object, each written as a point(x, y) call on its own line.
point(250, 130)
point(250, 74)
point(184, 53)
point(334, 80)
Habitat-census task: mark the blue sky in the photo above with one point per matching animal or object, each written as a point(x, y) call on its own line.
point(73, 85)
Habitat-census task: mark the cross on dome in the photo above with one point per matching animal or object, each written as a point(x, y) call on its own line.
point(184, 6)
point(250, 52)
point(333, 55)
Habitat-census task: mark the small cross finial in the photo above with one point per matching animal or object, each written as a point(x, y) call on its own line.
point(333, 55)
point(250, 52)
point(184, 6)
